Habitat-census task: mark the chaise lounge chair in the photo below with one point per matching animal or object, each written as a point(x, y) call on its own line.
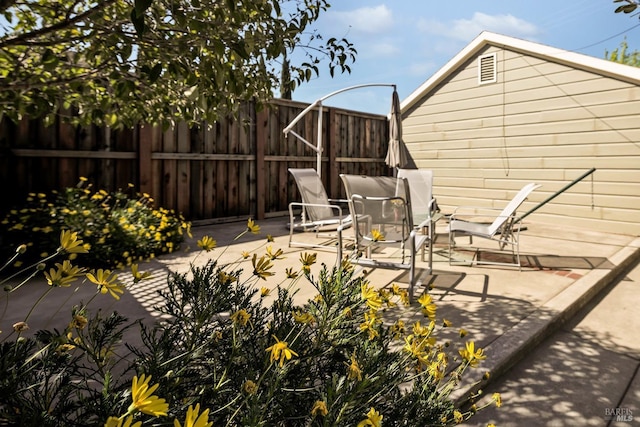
point(318, 212)
point(503, 228)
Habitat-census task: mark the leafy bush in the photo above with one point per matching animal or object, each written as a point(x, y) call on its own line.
point(228, 356)
point(120, 227)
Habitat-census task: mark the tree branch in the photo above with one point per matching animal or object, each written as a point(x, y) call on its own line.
point(22, 38)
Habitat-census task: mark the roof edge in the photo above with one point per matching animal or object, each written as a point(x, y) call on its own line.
point(601, 66)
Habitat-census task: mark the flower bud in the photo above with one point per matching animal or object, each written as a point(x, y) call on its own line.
point(20, 326)
point(21, 249)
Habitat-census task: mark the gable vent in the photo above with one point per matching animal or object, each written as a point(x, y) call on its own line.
point(487, 69)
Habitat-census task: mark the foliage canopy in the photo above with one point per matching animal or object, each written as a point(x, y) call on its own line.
point(120, 62)
point(623, 56)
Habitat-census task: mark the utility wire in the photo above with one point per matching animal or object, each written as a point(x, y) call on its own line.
point(607, 39)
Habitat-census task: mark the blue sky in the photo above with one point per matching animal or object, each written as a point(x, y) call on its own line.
point(404, 42)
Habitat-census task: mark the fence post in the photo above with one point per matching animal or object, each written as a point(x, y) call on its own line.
point(145, 174)
point(262, 128)
point(333, 179)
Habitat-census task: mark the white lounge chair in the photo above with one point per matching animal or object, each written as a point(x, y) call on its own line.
point(503, 228)
point(317, 211)
point(381, 212)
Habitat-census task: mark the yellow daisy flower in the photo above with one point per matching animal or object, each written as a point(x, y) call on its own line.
point(428, 307)
point(274, 255)
point(303, 317)
point(280, 351)
point(137, 275)
point(264, 292)
point(319, 408)
point(144, 400)
point(370, 296)
point(374, 419)
point(353, 369)
point(207, 243)
point(496, 397)
point(70, 243)
point(194, 418)
point(240, 317)
point(252, 226)
point(226, 278)
point(63, 275)
point(307, 261)
point(250, 387)
point(117, 422)
point(107, 282)
point(471, 355)
point(290, 273)
point(261, 267)
point(377, 236)
point(79, 321)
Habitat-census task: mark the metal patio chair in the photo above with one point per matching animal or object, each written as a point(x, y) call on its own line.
point(423, 205)
point(385, 235)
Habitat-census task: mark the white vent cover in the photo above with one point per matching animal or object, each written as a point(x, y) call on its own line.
point(487, 69)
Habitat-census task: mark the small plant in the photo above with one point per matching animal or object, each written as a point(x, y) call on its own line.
point(236, 350)
point(122, 228)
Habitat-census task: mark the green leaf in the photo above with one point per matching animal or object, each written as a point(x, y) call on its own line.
point(48, 57)
point(141, 6)
point(138, 23)
point(112, 119)
point(155, 72)
point(627, 8)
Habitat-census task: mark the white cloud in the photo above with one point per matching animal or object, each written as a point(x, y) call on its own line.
point(421, 69)
point(367, 20)
point(467, 29)
point(378, 49)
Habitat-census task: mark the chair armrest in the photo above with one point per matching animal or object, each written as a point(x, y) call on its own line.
point(478, 213)
point(339, 201)
point(337, 208)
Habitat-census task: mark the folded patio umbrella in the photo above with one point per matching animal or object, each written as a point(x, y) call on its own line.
point(397, 153)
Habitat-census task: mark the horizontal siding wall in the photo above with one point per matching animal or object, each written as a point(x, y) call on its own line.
point(543, 122)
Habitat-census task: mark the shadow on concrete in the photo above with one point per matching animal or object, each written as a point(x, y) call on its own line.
point(536, 261)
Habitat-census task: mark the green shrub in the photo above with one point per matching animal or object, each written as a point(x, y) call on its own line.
point(121, 227)
point(227, 355)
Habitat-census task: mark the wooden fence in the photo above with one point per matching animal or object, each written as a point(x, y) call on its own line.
point(230, 170)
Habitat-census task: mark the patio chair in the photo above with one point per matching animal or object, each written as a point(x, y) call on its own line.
point(381, 213)
point(423, 204)
point(318, 212)
point(503, 228)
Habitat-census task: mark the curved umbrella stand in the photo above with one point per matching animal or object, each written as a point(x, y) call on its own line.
point(318, 103)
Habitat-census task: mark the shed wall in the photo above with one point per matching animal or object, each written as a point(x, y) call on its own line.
point(541, 121)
